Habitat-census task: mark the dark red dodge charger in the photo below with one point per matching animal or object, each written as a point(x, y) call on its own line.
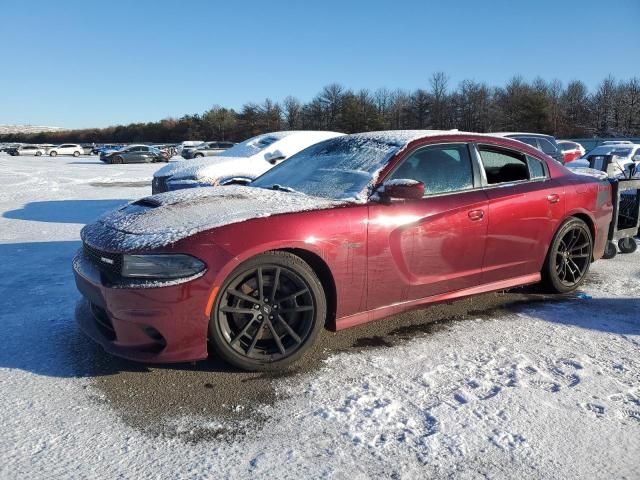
point(347, 231)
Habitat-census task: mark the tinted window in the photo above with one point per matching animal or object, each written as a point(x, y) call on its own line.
point(528, 140)
point(226, 144)
point(503, 166)
point(442, 168)
point(536, 168)
point(547, 147)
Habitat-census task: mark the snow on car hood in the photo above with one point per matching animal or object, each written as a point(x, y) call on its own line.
point(160, 220)
point(213, 168)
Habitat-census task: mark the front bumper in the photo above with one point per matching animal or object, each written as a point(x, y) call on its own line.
point(156, 325)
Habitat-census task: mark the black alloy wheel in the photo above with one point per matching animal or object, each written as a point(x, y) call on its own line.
point(268, 313)
point(569, 257)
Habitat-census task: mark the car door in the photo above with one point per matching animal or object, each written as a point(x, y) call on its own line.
point(433, 245)
point(525, 209)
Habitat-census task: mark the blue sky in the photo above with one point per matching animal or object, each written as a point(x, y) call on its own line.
point(85, 63)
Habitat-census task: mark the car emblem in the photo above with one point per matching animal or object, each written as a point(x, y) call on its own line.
point(106, 260)
point(266, 309)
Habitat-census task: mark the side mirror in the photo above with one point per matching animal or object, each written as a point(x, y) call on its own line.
point(274, 157)
point(636, 158)
point(402, 188)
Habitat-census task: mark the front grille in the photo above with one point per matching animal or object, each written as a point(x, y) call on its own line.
point(159, 185)
point(105, 261)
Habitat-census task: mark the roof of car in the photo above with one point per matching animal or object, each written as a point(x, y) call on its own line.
point(402, 137)
point(528, 134)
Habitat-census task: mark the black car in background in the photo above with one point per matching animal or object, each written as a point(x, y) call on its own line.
point(135, 154)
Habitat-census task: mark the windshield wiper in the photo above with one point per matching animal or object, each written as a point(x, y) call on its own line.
point(283, 188)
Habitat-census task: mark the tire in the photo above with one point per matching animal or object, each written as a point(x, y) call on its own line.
point(569, 257)
point(627, 245)
point(38, 154)
point(53, 153)
point(198, 155)
point(76, 154)
point(117, 160)
point(610, 251)
point(245, 323)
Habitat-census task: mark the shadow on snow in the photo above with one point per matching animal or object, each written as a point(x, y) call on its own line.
point(64, 211)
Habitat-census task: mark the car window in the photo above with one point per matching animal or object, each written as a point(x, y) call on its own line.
point(547, 147)
point(529, 141)
point(536, 168)
point(502, 166)
point(442, 168)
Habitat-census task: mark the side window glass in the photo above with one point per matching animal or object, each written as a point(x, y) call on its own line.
point(546, 146)
point(529, 141)
point(536, 168)
point(442, 168)
point(502, 166)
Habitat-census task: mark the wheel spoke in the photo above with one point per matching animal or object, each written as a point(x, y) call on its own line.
point(292, 296)
point(248, 311)
point(243, 331)
point(276, 338)
point(254, 340)
point(580, 247)
point(303, 308)
point(260, 284)
point(276, 282)
point(289, 330)
point(241, 295)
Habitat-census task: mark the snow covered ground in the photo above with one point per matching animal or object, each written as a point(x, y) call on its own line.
point(543, 390)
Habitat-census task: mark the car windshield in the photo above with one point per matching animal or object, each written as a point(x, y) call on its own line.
point(610, 150)
point(254, 145)
point(340, 168)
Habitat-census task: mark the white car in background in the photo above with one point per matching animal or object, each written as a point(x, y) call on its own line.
point(67, 149)
point(240, 164)
point(617, 159)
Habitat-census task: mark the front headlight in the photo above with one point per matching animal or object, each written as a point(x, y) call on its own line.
point(161, 266)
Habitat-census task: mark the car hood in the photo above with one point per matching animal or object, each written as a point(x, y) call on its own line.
point(211, 169)
point(160, 220)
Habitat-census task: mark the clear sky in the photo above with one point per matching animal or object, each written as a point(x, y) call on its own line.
point(98, 63)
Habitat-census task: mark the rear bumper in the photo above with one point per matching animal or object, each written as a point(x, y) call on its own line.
point(154, 325)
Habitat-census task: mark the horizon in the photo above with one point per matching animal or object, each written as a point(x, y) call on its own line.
point(150, 61)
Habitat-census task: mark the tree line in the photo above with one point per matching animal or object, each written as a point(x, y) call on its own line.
point(571, 110)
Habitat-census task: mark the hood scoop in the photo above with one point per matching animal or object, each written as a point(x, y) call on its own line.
point(148, 202)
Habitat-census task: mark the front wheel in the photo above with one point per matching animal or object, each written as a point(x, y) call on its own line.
point(117, 160)
point(38, 154)
point(76, 154)
point(53, 153)
point(268, 312)
point(569, 257)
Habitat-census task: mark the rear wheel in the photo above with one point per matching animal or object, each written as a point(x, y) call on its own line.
point(117, 159)
point(38, 154)
point(198, 155)
point(627, 245)
point(76, 154)
point(569, 257)
point(53, 153)
point(268, 312)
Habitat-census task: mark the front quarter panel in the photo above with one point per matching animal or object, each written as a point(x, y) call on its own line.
point(336, 236)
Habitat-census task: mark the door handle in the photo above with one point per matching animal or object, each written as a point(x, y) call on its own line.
point(553, 198)
point(475, 215)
